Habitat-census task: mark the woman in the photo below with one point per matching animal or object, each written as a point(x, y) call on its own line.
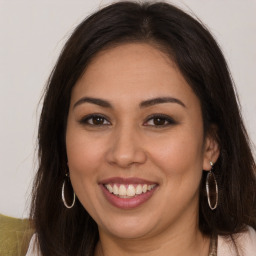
point(141, 145)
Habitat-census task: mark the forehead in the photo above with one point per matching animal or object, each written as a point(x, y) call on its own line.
point(131, 71)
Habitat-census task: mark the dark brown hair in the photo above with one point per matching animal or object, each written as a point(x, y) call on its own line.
point(64, 231)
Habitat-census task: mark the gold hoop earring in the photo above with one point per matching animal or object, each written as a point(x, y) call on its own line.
point(63, 196)
point(211, 179)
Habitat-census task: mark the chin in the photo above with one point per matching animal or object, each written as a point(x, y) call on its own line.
point(128, 229)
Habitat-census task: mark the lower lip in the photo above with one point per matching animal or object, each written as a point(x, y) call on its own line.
point(127, 203)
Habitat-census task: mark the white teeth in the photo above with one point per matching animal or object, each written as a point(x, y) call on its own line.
point(110, 189)
point(115, 190)
point(122, 190)
point(151, 186)
point(138, 189)
point(130, 190)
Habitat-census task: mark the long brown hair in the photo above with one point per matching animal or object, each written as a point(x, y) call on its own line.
point(64, 231)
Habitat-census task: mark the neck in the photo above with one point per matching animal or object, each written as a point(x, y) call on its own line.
point(182, 242)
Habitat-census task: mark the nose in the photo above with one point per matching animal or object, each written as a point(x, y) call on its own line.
point(126, 148)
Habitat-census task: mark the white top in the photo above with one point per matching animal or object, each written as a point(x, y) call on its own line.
point(246, 242)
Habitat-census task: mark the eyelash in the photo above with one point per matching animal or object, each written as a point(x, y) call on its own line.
point(88, 120)
point(85, 120)
point(167, 120)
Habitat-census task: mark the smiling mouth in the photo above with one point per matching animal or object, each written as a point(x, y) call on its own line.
point(128, 190)
point(127, 193)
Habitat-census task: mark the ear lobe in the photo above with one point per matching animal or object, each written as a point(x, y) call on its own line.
point(211, 149)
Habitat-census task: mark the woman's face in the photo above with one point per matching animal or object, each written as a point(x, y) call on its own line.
point(135, 143)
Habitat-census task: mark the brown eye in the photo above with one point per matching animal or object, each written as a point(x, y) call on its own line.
point(97, 120)
point(94, 120)
point(159, 121)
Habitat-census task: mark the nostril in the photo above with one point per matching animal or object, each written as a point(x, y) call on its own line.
point(125, 157)
point(125, 146)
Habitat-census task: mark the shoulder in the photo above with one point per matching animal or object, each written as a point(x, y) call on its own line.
point(246, 244)
point(33, 249)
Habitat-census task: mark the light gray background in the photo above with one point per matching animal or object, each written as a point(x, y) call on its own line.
point(32, 34)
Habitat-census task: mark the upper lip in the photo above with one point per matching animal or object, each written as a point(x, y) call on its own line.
point(122, 180)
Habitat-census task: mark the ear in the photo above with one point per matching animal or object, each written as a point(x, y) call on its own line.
point(211, 148)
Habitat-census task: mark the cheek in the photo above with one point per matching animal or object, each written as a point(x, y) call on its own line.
point(180, 154)
point(180, 160)
point(84, 152)
point(84, 161)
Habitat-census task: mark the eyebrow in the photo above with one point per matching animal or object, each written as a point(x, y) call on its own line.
point(96, 101)
point(143, 104)
point(161, 100)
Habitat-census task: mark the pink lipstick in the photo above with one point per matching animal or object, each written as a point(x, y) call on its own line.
point(127, 193)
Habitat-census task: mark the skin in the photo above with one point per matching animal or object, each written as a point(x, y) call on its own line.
point(128, 142)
